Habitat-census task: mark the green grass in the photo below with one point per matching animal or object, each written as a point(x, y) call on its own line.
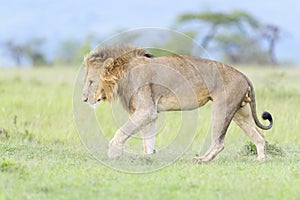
point(41, 155)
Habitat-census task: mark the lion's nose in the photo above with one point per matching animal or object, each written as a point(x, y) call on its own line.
point(85, 99)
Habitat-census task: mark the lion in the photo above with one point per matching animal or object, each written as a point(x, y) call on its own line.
point(147, 84)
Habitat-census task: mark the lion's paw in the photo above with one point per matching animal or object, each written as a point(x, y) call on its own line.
point(261, 158)
point(199, 160)
point(114, 150)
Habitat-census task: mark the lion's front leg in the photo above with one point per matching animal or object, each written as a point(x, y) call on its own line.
point(148, 136)
point(115, 146)
point(137, 121)
point(145, 113)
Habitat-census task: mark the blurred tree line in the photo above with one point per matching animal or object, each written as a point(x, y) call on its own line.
point(237, 36)
point(69, 52)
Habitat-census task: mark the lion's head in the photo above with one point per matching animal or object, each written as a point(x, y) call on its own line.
point(93, 90)
point(104, 68)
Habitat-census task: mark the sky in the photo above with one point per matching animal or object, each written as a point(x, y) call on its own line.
point(55, 21)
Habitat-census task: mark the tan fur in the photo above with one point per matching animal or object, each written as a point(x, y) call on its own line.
point(147, 85)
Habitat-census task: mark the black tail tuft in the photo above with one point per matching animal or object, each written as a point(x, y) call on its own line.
point(268, 116)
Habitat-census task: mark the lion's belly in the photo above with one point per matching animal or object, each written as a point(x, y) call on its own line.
point(173, 103)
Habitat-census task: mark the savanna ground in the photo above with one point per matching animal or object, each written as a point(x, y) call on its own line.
point(42, 157)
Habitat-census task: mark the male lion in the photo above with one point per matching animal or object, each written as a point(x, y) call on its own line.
point(147, 85)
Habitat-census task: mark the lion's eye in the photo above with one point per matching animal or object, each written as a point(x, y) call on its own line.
point(91, 82)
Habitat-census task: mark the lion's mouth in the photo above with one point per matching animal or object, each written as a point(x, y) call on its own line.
point(101, 98)
point(94, 105)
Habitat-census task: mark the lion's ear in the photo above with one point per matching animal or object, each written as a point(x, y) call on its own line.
point(107, 65)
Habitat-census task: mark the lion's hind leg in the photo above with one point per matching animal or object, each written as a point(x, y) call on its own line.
point(213, 151)
point(221, 118)
point(243, 118)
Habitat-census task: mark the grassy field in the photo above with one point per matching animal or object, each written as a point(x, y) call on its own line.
point(42, 157)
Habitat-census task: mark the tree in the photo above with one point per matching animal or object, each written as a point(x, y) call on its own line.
point(30, 51)
point(236, 20)
point(33, 50)
point(238, 34)
point(236, 48)
point(271, 34)
point(15, 51)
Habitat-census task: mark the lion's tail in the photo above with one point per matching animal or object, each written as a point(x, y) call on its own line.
point(265, 115)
